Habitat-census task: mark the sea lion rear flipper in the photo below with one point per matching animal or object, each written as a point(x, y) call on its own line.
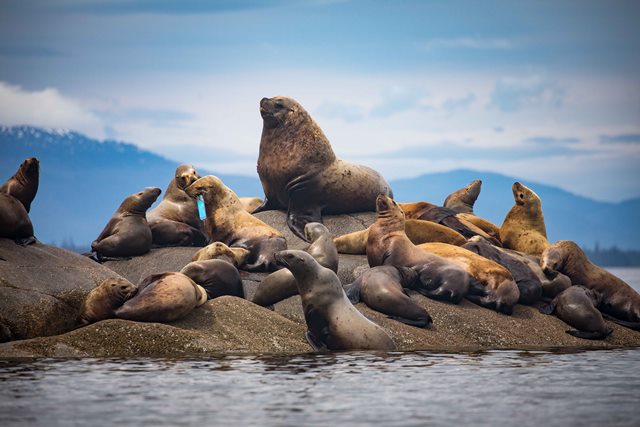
point(26, 241)
point(314, 342)
point(300, 215)
point(589, 335)
point(353, 293)
point(632, 325)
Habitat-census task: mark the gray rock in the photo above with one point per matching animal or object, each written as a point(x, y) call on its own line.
point(159, 260)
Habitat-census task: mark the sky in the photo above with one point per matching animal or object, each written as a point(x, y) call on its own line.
point(547, 91)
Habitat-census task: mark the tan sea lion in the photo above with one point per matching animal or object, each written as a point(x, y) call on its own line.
point(619, 300)
point(417, 230)
point(462, 200)
point(523, 228)
point(16, 196)
point(250, 203)
point(218, 250)
point(382, 289)
point(282, 284)
point(499, 291)
point(175, 221)
point(103, 300)
point(163, 298)
point(333, 322)
point(300, 172)
point(577, 307)
point(388, 244)
point(229, 223)
point(127, 232)
point(218, 277)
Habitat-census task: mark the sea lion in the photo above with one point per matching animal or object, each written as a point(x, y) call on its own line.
point(487, 226)
point(498, 291)
point(333, 322)
point(576, 306)
point(103, 300)
point(250, 203)
point(23, 185)
point(163, 298)
point(175, 221)
point(417, 230)
point(382, 289)
point(229, 223)
point(218, 250)
point(388, 244)
point(462, 201)
point(619, 300)
point(449, 218)
point(127, 232)
point(282, 284)
point(300, 172)
point(216, 276)
point(529, 284)
point(523, 228)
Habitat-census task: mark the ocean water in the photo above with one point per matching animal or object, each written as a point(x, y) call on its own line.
point(494, 388)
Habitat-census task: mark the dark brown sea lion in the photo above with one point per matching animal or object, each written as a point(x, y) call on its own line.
point(333, 322)
point(498, 290)
point(175, 221)
point(102, 302)
point(576, 306)
point(229, 223)
point(127, 233)
point(528, 282)
point(619, 300)
point(382, 289)
point(523, 228)
point(388, 244)
point(300, 172)
point(282, 284)
point(218, 250)
point(417, 230)
point(462, 201)
point(163, 298)
point(216, 276)
point(21, 187)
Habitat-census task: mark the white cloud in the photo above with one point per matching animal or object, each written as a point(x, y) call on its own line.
point(46, 108)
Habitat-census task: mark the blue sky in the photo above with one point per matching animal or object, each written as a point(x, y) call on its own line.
point(546, 90)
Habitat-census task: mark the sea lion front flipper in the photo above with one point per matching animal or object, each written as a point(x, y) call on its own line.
point(353, 293)
point(419, 323)
point(300, 215)
point(632, 325)
point(589, 335)
point(265, 206)
point(316, 344)
point(26, 241)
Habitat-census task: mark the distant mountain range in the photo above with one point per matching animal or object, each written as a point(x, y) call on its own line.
point(83, 181)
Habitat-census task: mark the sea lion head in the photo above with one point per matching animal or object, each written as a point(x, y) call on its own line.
point(466, 196)
point(201, 294)
point(300, 263)
point(30, 168)
point(139, 203)
point(552, 260)
point(212, 189)
point(524, 196)
point(105, 298)
point(472, 191)
point(120, 289)
point(218, 250)
point(276, 111)
point(185, 176)
point(314, 230)
point(386, 207)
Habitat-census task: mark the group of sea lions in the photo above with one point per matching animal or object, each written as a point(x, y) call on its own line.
point(444, 252)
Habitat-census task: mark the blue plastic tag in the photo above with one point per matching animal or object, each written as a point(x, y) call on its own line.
point(201, 211)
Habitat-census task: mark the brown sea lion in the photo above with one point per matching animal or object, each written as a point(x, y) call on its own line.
point(449, 218)
point(576, 306)
point(333, 322)
point(216, 276)
point(127, 232)
point(250, 203)
point(498, 292)
point(229, 223)
point(163, 298)
point(417, 230)
point(282, 284)
point(103, 300)
point(529, 284)
point(300, 172)
point(218, 250)
point(23, 185)
point(619, 300)
point(523, 228)
point(553, 284)
point(388, 244)
point(462, 201)
point(16, 196)
point(175, 221)
point(382, 289)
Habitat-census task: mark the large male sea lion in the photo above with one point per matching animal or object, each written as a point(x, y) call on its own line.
point(523, 228)
point(16, 196)
point(300, 172)
point(103, 300)
point(382, 289)
point(333, 322)
point(388, 244)
point(163, 298)
point(282, 284)
point(229, 223)
point(175, 221)
point(619, 300)
point(216, 276)
point(462, 200)
point(218, 250)
point(127, 232)
point(498, 291)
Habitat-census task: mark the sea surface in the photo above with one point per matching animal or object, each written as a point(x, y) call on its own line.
point(493, 388)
